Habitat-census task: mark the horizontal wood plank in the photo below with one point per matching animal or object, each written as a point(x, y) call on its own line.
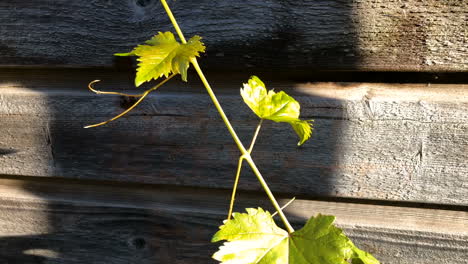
point(281, 35)
point(371, 141)
point(74, 222)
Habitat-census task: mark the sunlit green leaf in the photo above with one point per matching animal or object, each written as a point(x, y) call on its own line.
point(319, 241)
point(278, 107)
point(255, 238)
point(362, 257)
point(163, 55)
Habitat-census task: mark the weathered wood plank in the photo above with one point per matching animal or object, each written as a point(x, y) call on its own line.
point(75, 222)
point(372, 141)
point(288, 35)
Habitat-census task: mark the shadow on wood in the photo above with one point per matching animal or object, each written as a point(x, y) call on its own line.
point(188, 148)
point(175, 139)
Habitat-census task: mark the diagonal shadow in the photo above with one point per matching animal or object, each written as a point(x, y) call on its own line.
point(84, 233)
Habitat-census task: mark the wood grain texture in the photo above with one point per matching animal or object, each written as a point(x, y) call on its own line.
point(371, 141)
point(287, 35)
point(48, 221)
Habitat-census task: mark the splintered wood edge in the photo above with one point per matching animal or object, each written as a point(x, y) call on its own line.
point(215, 202)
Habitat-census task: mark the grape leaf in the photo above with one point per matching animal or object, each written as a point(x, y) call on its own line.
point(163, 55)
point(254, 238)
point(278, 107)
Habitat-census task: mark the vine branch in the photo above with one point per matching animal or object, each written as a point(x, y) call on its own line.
point(239, 168)
point(228, 124)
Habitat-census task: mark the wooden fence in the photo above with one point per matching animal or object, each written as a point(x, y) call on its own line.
point(388, 156)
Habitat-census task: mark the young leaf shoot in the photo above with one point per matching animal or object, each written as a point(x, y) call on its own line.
point(278, 107)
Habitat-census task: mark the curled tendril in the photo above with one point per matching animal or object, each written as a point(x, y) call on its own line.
point(90, 87)
point(142, 96)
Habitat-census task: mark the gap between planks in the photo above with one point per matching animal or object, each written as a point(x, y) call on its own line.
point(59, 81)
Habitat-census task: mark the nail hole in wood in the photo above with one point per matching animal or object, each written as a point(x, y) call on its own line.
point(143, 3)
point(139, 243)
point(126, 102)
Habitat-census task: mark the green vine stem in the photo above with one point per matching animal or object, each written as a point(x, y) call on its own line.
point(284, 206)
point(241, 147)
point(254, 139)
point(239, 168)
point(234, 188)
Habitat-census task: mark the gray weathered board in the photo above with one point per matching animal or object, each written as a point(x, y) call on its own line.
point(47, 221)
point(412, 35)
point(153, 186)
point(371, 141)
